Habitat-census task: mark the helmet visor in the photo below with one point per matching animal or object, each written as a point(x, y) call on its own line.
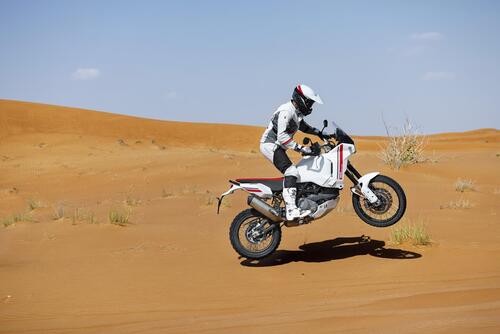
point(309, 103)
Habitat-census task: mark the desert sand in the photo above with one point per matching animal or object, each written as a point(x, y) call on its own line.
point(171, 269)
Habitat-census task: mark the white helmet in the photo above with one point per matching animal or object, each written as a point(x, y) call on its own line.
point(305, 97)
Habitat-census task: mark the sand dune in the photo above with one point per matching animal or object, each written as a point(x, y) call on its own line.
point(66, 269)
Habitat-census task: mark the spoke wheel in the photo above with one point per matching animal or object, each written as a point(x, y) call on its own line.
point(249, 237)
point(390, 207)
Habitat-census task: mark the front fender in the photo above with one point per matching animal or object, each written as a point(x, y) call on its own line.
point(362, 186)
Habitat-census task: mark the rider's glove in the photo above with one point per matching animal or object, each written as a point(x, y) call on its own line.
point(306, 150)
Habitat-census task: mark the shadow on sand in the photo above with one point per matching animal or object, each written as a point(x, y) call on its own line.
point(334, 249)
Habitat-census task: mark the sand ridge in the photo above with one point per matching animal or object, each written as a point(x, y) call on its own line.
point(172, 268)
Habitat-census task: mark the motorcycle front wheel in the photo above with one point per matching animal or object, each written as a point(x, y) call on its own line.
point(253, 236)
point(388, 210)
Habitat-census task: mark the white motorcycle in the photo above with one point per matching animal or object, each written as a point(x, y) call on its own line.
point(377, 199)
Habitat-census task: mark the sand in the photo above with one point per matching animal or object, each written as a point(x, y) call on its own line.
point(171, 269)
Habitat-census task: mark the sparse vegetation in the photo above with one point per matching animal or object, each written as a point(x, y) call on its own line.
point(58, 212)
point(33, 204)
point(458, 204)
point(462, 185)
point(226, 202)
point(130, 201)
point(18, 217)
point(121, 142)
point(166, 194)
point(433, 158)
point(77, 216)
point(119, 218)
point(209, 199)
point(414, 233)
point(403, 149)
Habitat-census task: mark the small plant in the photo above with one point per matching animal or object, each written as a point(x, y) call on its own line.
point(433, 158)
point(58, 212)
point(33, 204)
point(209, 198)
point(166, 194)
point(91, 218)
point(403, 149)
point(18, 217)
point(463, 185)
point(415, 233)
point(118, 218)
point(78, 215)
point(8, 221)
point(458, 204)
point(226, 203)
point(132, 201)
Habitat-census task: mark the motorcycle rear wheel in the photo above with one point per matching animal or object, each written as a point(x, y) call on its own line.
point(247, 238)
point(392, 204)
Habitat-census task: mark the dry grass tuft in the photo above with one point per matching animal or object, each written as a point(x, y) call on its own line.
point(130, 201)
point(58, 212)
point(458, 204)
point(403, 149)
point(462, 185)
point(18, 217)
point(414, 233)
point(166, 194)
point(209, 199)
point(118, 217)
point(33, 204)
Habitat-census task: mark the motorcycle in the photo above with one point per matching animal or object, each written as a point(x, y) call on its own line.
point(377, 199)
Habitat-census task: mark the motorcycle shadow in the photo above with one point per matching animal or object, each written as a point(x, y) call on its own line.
point(334, 249)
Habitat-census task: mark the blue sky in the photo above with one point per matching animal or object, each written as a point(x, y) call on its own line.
point(434, 62)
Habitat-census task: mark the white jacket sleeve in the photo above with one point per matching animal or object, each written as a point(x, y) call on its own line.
point(284, 138)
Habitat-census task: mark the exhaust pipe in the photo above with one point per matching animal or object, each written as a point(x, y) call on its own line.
point(264, 208)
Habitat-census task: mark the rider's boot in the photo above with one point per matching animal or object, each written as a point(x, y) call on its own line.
point(292, 211)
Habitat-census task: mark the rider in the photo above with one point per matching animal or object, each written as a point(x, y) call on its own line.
point(278, 137)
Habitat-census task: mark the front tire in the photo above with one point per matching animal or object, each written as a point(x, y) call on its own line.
point(247, 238)
point(392, 204)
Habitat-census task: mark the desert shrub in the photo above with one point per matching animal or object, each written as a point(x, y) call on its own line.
point(166, 194)
point(130, 201)
point(209, 198)
point(117, 217)
point(58, 212)
point(405, 148)
point(415, 233)
point(33, 204)
point(458, 204)
point(462, 185)
point(18, 217)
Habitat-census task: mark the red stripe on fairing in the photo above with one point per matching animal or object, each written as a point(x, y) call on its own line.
point(300, 90)
point(341, 161)
point(253, 190)
point(260, 178)
point(289, 140)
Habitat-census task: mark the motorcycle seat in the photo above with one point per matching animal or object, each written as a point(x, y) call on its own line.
point(276, 184)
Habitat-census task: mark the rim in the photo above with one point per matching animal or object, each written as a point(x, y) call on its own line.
point(388, 206)
point(250, 234)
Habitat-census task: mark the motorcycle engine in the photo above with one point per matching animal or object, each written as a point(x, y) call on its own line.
point(307, 204)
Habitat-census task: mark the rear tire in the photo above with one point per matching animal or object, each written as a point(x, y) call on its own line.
point(245, 237)
point(374, 215)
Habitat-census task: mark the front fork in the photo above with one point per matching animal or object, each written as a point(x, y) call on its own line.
point(361, 183)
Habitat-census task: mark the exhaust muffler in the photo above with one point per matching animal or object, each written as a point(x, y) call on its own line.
point(264, 208)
